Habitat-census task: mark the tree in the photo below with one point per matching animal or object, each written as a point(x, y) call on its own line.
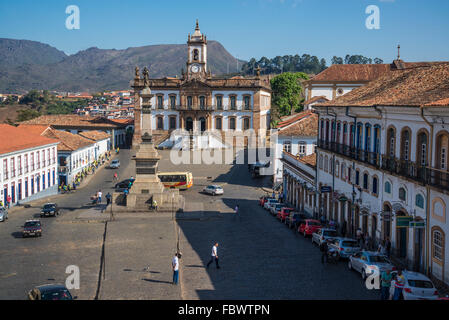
point(337, 60)
point(287, 90)
point(27, 114)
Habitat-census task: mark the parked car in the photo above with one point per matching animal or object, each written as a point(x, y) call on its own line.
point(309, 226)
point(345, 246)
point(323, 234)
point(32, 228)
point(115, 164)
point(284, 213)
point(274, 209)
point(213, 190)
point(50, 292)
point(366, 262)
point(295, 219)
point(417, 287)
point(269, 202)
point(3, 214)
point(50, 209)
point(264, 199)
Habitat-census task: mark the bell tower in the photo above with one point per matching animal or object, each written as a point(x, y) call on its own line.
point(197, 55)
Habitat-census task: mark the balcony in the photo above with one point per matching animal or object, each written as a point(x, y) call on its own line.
point(195, 108)
point(437, 178)
point(372, 158)
point(63, 169)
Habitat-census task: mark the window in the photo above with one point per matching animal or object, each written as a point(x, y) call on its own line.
point(160, 123)
point(321, 162)
point(233, 102)
point(365, 181)
point(246, 101)
point(338, 132)
point(349, 174)
point(326, 163)
point(5, 168)
point(437, 241)
point(172, 123)
point(357, 177)
point(302, 148)
point(232, 123)
point(19, 165)
point(189, 101)
point(202, 102)
point(405, 145)
point(173, 102)
point(388, 187)
point(26, 163)
point(402, 194)
point(160, 102)
point(13, 167)
point(343, 171)
point(345, 133)
point(195, 55)
point(419, 201)
point(375, 185)
point(245, 123)
point(287, 146)
point(219, 100)
point(391, 142)
point(331, 167)
point(218, 123)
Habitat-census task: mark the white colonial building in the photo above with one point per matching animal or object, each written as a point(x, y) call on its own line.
point(383, 151)
point(199, 102)
point(28, 166)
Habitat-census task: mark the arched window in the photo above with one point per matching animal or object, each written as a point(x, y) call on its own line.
point(388, 187)
point(202, 102)
point(331, 167)
point(402, 194)
point(338, 132)
point(233, 100)
point(375, 185)
point(357, 177)
point(405, 144)
point(365, 181)
point(218, 123)
point(442, 148)
point(345, 134)
point(232, 123)
point(343, 171)
point(245, 123)
point(326, 163)
point(391, 142)
point(421, 158)
point(321, 162)
point(322, 130)
point(367, 137)
point(160, 123)
point(437, 245)
point(419, 201)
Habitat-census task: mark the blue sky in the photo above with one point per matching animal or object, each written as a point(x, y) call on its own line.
point(247, 28)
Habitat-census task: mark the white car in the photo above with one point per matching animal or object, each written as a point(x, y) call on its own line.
point(115, 164)
point(270, 203)
point(213, 190)
point(417, 286)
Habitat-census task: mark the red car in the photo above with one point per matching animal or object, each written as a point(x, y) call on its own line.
point(283, 213)
point(263, 199)
point(309, 226)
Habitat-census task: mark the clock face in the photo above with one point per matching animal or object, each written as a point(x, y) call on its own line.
point(194, 68)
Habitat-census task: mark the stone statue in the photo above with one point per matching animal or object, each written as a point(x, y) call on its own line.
point(146, 76)
point(137, 73)
point(258, 71)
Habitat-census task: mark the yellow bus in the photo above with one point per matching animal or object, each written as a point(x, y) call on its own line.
point(176, 180)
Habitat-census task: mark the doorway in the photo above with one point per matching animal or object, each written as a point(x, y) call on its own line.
point(401, 238)
point(202, 124)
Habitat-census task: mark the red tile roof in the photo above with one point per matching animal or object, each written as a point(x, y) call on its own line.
point(15, 139)
point(74, 121)
point(408, 87)
point(363, 72)
point(303, 124)
point(315, 99)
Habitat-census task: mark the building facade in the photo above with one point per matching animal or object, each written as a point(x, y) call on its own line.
point(28, 166)
point(198, 102)
point(382, 150)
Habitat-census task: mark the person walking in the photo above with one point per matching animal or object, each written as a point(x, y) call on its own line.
point(385, 283)
point(154, 205)
point(8, 201)
point(399, 283)
point(214, 256)
point(382, 249)
point(175, 267)
point(99, 194)
point(108, 199)
point(115, 179)
point(324, 249)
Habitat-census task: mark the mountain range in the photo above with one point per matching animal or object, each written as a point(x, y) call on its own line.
point(27, 65)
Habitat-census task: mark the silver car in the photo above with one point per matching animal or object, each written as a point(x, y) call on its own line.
point(270, 203)
point(417, 286)
point(368, 262)
point(3, 214)
point(323, 235)
point(345, 246)
point(213, 190)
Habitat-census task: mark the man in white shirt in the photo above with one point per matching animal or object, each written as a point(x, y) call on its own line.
point(99, 194)
point(214, 256)
point(175, 267)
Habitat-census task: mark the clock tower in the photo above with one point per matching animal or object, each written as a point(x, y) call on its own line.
point(197, 55)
